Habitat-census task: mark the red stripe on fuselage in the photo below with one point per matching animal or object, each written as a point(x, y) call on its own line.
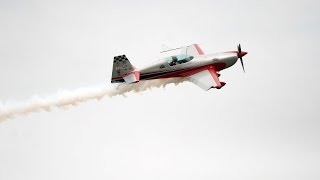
point(177, 73)
point(185, 72)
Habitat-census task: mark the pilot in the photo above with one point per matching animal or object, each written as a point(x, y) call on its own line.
point(174, 61)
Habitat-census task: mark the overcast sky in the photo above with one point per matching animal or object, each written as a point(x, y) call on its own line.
point(263, 124)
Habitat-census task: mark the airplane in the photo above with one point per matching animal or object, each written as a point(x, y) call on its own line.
point(200, 68)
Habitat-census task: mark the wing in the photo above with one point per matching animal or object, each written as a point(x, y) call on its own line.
point(192, 50)
point(206, 79)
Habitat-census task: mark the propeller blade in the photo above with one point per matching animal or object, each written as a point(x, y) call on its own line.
point(239, 48)
point(242, 64)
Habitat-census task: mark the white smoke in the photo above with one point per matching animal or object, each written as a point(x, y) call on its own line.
point(64, 98)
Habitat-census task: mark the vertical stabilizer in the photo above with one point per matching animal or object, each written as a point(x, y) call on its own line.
point(123, 71)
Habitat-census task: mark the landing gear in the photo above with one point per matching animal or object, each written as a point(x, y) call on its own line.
point(222, 84)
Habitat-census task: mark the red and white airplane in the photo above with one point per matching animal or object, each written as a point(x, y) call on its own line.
point(201, 69)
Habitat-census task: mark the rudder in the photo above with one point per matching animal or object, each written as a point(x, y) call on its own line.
point(123, 71)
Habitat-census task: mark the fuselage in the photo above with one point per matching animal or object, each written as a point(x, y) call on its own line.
point(166, 67)
point(193, 64)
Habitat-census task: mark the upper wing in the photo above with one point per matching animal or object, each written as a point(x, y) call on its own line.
point(192, 50)
point(206, 79)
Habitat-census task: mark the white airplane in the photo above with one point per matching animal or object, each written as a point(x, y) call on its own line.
point(201, 69)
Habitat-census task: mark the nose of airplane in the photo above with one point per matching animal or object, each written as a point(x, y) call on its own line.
point(241, 54)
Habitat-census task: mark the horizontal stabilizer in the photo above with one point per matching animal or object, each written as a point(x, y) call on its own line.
point(132, 77)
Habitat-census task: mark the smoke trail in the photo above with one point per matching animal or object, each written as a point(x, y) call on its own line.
point(65, 98)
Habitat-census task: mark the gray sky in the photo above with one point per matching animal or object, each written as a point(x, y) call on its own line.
point(263, 124)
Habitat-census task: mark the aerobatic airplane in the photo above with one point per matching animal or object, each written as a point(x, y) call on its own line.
point(201, 69)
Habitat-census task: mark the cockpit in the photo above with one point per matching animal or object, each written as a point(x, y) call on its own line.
point(178, 59)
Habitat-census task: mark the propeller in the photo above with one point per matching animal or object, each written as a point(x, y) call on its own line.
point(240, 55)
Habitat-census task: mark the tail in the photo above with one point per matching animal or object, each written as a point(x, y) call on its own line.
point(123, 71)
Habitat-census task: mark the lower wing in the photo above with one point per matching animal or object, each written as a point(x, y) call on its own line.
point(206, 79)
